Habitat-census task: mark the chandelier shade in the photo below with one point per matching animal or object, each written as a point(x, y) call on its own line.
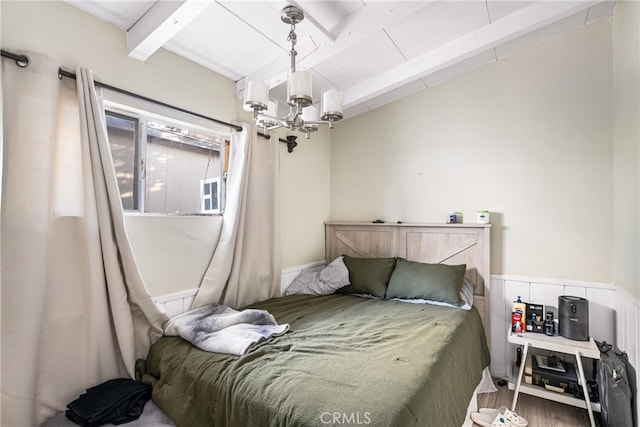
point(299, 87)
point(310, 117)
point(303, 114)
point(257, 94)
point(331, 104)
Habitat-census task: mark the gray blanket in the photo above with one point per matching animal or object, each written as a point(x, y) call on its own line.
point(221, 329)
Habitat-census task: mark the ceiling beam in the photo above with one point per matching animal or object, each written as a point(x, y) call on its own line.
point(359, 26)
point(159, 24)
point(508, 28)
point(318, 33)
point(363, 24)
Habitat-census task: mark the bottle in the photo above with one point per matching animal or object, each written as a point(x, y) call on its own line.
point(518, 316)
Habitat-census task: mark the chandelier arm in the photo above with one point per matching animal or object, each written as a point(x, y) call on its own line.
point(274, 127)
point(317, 122)
point(269, 117)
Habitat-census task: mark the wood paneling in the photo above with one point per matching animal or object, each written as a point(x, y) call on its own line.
point(430, 243)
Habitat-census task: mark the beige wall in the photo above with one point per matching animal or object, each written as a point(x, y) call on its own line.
point(626, 147)
point(172, 253)
point(304, 197)
point(528, 137)
point(74, 38)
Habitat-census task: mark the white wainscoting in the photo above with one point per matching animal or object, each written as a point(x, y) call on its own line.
point(506, 289)
point(627, 332)
point(614, 315)
point(179, 302)
point(176, 303)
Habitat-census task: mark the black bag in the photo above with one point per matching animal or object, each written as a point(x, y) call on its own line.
point(616, 385)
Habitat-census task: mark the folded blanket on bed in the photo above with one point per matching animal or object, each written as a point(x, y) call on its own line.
point(221, 329)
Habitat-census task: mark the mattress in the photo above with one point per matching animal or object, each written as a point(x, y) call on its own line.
point(346, 360)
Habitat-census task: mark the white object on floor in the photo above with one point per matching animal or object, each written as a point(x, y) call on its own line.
point(515, 419)
point(485, 386)
point(487, 420)
point(512, 418)
point(486, 383)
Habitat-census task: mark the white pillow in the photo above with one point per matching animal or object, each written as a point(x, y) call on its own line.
point(466, 295)
point(333, 277)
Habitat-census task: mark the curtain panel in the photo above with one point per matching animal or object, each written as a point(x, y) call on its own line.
point(245, 267)
point(75, 311)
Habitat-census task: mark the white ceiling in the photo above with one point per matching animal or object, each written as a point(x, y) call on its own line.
point(375, 51)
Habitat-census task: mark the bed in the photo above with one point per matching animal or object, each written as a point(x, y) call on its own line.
point(346, 359)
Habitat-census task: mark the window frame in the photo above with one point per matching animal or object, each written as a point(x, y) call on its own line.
point(142, 118)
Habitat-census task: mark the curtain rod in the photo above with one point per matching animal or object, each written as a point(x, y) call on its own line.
point(22, 61)
point(62, 73)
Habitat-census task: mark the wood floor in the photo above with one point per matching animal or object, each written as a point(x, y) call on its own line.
point(539, 412)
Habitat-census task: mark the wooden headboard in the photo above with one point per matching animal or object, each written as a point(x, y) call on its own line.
point(431, 243)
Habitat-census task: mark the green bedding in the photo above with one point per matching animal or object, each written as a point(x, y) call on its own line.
point(345, 361)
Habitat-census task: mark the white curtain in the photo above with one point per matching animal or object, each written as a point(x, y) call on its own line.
point(75, 311)
point(245, 267)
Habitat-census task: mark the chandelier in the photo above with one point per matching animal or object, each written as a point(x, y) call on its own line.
point(302, 114)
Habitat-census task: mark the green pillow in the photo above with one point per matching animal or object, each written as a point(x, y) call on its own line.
point(435, 282)
point(368, 275)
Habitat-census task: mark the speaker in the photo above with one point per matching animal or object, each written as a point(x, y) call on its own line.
point(573, 315)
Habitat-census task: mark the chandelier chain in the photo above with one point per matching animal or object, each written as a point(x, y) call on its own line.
point(293, 38)
point(292, 35)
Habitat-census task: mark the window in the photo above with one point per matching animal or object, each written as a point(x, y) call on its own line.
point(209, 196)
point(166, 166)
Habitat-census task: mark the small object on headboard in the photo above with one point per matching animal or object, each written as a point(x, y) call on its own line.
point(378, 221)
point(483, 217)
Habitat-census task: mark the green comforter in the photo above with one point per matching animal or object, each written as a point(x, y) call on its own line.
point(345, 361)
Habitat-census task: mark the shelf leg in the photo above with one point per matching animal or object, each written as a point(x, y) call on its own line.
point(519, 379)
point(585, 388)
